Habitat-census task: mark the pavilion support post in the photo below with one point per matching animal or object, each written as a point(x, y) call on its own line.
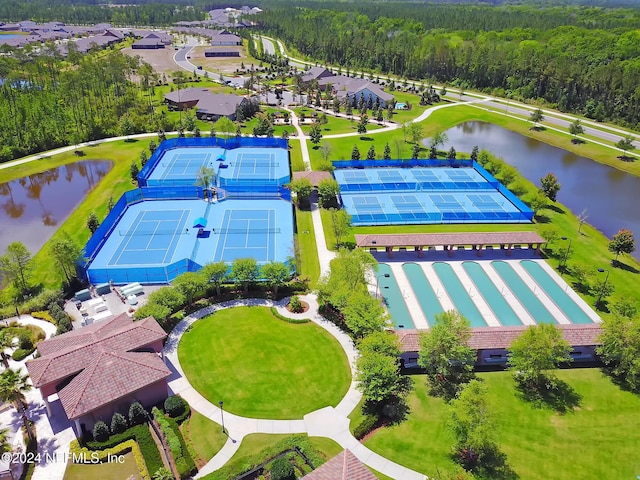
point(450, 248)
point(47, 406)
point(389, 251)
point(420, 251)
point(509, 250)
point(78, 428)
point(479, 253)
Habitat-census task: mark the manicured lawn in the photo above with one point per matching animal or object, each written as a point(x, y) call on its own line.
point(264, 367)
point(307, 252)
point(539, 443)
point(206, 435)
point(111, 470)
point(334, 125)
point(295, 154)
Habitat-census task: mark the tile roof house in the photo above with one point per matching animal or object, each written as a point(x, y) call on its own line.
point(209, 106)
point(316, 73)
point(492, 343)
point(344, 466)
point(355, 88)
point(102, 368)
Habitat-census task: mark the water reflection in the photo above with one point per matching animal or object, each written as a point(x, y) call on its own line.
point(608, 194)
point(31, 208)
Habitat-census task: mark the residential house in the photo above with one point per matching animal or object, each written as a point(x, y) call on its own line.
point(147, 44)
point(101, 369)
point(355, 88)
point(225, 39)
point(345, 465)
point(209, 106)
point(316, 73)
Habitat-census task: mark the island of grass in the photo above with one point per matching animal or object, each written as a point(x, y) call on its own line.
point(263, 367)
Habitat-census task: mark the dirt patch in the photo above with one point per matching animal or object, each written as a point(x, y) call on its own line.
point(161, 59)
point(227, 65)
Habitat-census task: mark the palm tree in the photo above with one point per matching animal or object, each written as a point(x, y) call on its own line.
point(13, 386)
point(4, 440)
point(5, 342)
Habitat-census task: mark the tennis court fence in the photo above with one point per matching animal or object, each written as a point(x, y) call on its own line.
point(404, 163)
point(439, 218)
point(102, 233)
point(142, 274)
point(203, 142)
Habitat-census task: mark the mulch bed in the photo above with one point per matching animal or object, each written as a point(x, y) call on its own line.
point(305, 307)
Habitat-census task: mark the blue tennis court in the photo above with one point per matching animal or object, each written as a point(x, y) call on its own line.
point(180, 166)
point(260, 168)
point(424, 195)
point(247, 233)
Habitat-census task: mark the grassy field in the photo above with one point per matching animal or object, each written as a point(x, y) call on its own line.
point(206, 435)
point(112, 470)
point(255, 443)
point(335, 125)
point(263, 367)
point(308, 262)
point(295, 154)
point(539, 443)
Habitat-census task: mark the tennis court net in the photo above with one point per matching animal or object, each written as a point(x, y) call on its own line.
point(140, 232)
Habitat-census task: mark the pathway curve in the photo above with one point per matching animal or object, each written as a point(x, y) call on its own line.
point(331, 422)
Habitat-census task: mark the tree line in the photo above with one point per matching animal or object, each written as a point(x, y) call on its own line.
point(575, 59)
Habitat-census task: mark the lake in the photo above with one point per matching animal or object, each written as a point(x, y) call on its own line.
point(32, 208)
point(608, 194)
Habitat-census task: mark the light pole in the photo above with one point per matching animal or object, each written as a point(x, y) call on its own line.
point(604, 285)
point(386, 275)
point(566, 254)
point(221, 403)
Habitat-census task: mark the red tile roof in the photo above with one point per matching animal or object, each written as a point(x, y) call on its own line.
point(315, 177)
point(501, 337)
point(438, 239)
point(344, 466)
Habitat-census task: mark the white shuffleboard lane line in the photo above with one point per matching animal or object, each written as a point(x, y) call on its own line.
point(436, 285)
point(476, 297)
point(507, 294)
point(549, 304)
point(411, 301)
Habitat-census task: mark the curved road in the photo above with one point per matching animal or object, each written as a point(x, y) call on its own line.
point(502, 105)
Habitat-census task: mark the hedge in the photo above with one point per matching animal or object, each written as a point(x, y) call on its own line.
point(366, 425)
point(275, 313)
point(21, 354)
point(245, 464)
point(120, 449)
point(141, 434)
point(184, 463)
point(44, 315)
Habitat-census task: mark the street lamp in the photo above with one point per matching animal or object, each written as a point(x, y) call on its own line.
point(566, 254)
point(604, 285)
point(386, 275)
point(221, 414)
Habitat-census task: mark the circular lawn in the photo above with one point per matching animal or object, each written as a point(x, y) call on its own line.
point(263, 367)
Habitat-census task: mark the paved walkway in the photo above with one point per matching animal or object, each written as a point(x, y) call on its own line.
point(326, 422)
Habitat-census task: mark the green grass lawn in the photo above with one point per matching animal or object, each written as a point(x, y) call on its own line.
point(295, 154)
point(263, 367)
point(255, 443)
point(539, 443)
point(307, 254)
point(111, 470)
point(335, 125)
point(205, 435)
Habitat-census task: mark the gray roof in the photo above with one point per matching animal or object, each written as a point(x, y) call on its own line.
point(316, 73)
point(148, 41)
point(226, 37)
point(187, 95)
point(219, 104)
point(346, 85)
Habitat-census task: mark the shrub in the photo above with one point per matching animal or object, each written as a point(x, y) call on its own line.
point(281, 469)
point(366, 425)
point(100, 431)
point(296, 305)
point(137, 414)
point(174, 406)
point(44, 315)
point(119, 449)
point(42, 301)
point(25, 341)
point(275, 313)
point(118, 423)
point(21, 354)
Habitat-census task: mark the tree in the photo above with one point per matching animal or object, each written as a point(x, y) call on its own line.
point(328, 191)
point(118, 423)
point(364, 315)
point(225, 126)
point(67, 253)
point(16, 266)
point(170, 297)
point(386, 154)
point(341, 224)
point(362, 124)
point(92, 222)
point(445, 354)
point(576, 129)
point(416, 132)
point(244, 272)
point(582, 218)
point(315, 134)
point(155, 310)
point(190, 284)
point(302, 188)
point(346, 275)
point(538, 203)
point(206, 178)
point(415, 151)
point(13, 386)
point(474, 428)
point(622, 242)
point(550, 186)
point(144, 158)
point(152, 146)
point(162, 474)
point(134, 170)
point(474, 153)
point(538, 350)
point(355, 153)
point(381, 342)
point(379, 379)
point(438, 139)
point(626, 144)
point(6, 341)
point(137, 414)
point(215, 273)
point(126, 126)
point(275, 274)
point(452, 154)
point(371, 154)
point(620, 349)
point(536, 117)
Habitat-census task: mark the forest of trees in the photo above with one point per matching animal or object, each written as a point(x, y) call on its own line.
point(584, 60)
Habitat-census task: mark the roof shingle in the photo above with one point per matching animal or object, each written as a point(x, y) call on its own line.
point(344, 466)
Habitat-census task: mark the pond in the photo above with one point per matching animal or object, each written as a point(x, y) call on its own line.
point(32, 208)
point(609, 195)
